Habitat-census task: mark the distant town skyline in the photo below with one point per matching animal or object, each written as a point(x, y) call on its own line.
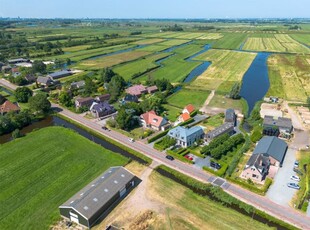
point(155, 9)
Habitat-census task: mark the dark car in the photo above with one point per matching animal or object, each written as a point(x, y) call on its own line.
point(296, 170)
point(215, 165)
point(104, 128)
point(170, 157)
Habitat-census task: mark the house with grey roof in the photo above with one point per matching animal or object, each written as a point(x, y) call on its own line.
point(92, 203)
point(83, 102)
point(272, 147)
point(225, 128)
point(77, 85)
point(18, 60)
point(103, 98)
point(101, 109)
point(186, 136)
point(45, 81)
point(230, 116)
point(275, 126)
point(60, 74)
point(256, 168)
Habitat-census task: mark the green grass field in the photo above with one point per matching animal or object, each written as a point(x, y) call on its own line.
point(172, 112)
point(42, 170)
point(220, 101)
point(289, 76)
point(176, 68)
point(227, 68)
point(230, 41)
point(303, 38)
point(148, 41)
point(187, 210)
point(138, 66)
point(112, 60)
point(188, 96)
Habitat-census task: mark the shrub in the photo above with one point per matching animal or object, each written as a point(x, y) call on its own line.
point(157, 136)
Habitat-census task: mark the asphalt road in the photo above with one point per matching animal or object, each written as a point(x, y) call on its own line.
point(263, 203)
point(287, 214)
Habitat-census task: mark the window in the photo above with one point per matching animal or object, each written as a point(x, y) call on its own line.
point(254, 176)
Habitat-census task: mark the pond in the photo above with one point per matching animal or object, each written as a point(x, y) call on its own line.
point(255, 82)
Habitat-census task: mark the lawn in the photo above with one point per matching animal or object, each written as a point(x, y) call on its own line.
point(172, 112)
point(139, 66)
point(220, 101)
point(215, 121)
point(112, 60)
point(289, 76)
point(42, 170)
point(230, 41)
point(227, 67)
point(188, 96)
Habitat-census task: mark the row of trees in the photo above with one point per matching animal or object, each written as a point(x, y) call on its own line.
point(214, 143)
point(11, 121)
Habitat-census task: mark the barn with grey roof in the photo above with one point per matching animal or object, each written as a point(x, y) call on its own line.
point(98, 198)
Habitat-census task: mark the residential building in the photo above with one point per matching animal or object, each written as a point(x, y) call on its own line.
point(84, 102)
point(8, 106)
point(6, 69)
point(130, 98)
point(275, 126)
point(30, 78)
point(77, 85)
point(256, 168)
point(272, 147)
point(60, 74)
point(151, 120)
point(45, 81)
point(94, 202)
point(152, 89)
point(184, 117)
point(136, 90)
point(225, 128)
point(103, 98)
point(230, 116)
point(189, 109)
point(186, 137)
point(101, 109)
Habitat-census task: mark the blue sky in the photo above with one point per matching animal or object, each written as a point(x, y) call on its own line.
point(155, 9)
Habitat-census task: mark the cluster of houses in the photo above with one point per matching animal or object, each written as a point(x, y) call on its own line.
point(12, 67)
point(98, 106)
point(52, 79)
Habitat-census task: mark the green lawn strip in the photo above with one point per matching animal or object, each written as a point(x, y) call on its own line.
point(47, 166)
point(230, 41)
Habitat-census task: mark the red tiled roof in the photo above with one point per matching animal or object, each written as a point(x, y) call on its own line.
point(185, 116)
point(190, 108)
point(152, 89)
point(152, 119)
point(8, 106)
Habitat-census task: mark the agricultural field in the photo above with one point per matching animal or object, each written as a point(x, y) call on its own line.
point(230, 41)
point(186, 96)
point(36, 178)
point(277, 43)
point(182, 210)
point(173, 42)
point(154, 48)
point(289, 76)
point(176, 68)
point(227, 68)
point(302, 38)
point(190, 35)
point(148, 41)
point(112, 60)
point(127, 71)
point(210, 36)
point(76, 48)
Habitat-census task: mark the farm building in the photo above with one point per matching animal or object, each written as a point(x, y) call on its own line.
point(225, 128)
point(230, 116)
point(60, 74)
point(99, 197)
point(275, 126)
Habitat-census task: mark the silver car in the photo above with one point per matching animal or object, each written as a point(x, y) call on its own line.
point(293, 185)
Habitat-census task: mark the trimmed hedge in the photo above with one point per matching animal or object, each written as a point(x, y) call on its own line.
point(191, 120)
point(194, 113)
point(144, 158)
point(155, 138)
point(217, 194)
point(221, 172)
point(180, 156)
point(250, 187)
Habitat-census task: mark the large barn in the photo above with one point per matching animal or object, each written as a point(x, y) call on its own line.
point(97, 199)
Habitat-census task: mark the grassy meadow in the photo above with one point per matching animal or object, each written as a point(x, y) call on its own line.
point(42, 170)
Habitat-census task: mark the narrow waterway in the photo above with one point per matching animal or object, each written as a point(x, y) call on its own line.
point(255, 82)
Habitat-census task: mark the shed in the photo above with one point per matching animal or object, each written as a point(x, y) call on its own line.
point(99, 197)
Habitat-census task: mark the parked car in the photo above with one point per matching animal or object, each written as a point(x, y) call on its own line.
point(104, 128)
point(293, 185)
point(296, 170)
point(215, 165)
point(131, 140)
point(170, 157)
point(296, 164)
point(296, 178)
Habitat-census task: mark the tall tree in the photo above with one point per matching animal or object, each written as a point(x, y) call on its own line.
point(116, 87)
point(23, 94)
point(235, 91)
point(107, 75)
point(38, 67)
point(39, 103)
